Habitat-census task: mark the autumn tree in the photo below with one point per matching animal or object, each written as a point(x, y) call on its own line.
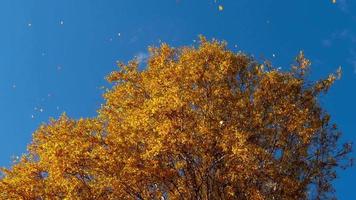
point(196, 123)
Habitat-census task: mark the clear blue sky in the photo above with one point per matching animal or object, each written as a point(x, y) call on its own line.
point(54, 54)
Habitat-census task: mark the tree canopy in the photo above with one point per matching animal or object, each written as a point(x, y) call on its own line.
point(196, 123)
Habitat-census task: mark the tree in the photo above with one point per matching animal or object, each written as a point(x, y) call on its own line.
point(197, 123)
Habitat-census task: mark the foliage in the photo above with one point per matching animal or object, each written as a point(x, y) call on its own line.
point(197, 123)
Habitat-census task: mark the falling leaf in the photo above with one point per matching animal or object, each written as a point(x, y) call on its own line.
point(338, 72)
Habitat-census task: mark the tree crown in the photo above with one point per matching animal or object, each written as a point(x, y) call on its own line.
point(197, 123)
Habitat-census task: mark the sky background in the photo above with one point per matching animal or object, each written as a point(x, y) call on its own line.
point(54, 54)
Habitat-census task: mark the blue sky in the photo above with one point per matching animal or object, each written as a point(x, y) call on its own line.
point(55, 54)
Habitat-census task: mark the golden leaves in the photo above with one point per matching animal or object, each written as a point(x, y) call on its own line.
point(198, 123)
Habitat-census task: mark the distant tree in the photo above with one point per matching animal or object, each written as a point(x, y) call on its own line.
point(197, 123)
